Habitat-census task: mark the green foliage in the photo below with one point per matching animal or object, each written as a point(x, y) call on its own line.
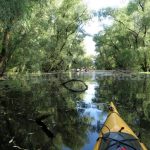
point(125, 44)
point(42, 36)
point(83, 62)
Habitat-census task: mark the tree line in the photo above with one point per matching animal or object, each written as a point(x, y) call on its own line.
point(125, 44)
point(47, 35)
point(42, 35)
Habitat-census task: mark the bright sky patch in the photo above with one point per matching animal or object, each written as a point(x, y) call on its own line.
point(94, 26)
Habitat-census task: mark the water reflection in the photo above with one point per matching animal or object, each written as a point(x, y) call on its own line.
point(96, 115)
point(73, 118)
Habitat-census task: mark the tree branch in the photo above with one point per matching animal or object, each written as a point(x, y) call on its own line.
point(141, 5)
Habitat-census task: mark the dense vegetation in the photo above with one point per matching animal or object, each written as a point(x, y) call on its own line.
point(125, 44)
point(41, 35)
point(47, 35)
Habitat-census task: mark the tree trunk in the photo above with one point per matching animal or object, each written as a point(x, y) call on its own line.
point(144, 65)
point(3, 64)
point(4, 51)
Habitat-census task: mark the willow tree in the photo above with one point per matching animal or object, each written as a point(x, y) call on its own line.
point(12, 13)
point(125, 44)
point(63, 41)
point(49, 39)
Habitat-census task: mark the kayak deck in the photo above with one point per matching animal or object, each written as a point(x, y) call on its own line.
point(114, 127)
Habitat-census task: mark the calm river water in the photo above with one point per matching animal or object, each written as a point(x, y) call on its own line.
point(38, 113)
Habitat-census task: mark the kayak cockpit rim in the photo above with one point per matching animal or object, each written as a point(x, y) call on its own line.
point(119, 141)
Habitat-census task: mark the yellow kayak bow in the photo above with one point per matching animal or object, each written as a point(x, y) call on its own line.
point(116, 134)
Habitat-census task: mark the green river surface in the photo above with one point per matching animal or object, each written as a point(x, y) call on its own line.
point(38, 113)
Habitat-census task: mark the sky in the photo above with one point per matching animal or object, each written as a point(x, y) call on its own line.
point(94, 26)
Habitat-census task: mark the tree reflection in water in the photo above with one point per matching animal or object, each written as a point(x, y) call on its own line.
point(74, 119)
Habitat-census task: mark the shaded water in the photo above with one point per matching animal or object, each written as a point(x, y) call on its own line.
point(38, 113)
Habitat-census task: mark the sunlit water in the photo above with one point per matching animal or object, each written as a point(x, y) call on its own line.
point(38, 113)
